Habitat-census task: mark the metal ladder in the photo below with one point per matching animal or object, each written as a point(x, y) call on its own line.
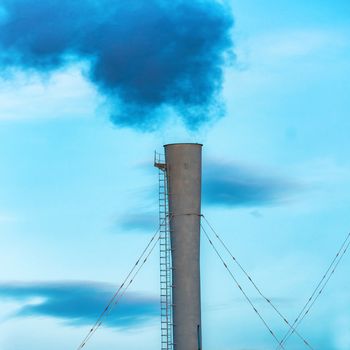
point(165, 258)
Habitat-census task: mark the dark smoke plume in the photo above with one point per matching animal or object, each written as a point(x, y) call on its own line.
point(146, 56)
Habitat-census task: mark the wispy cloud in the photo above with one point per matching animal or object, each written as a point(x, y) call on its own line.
point(79, 303)
point(234, 185)
point(67, 94)
point(298, 43)
point(144, 221)
point(4, 217)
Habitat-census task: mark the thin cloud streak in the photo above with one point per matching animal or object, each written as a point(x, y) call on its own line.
point(146, 221)
point(233, 185)
point(79, 303)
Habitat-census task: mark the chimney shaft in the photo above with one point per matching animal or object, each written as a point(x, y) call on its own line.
point(184, 167)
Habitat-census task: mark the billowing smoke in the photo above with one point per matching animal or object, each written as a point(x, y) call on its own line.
point(145, 56)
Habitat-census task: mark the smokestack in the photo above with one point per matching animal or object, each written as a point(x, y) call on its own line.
point(183, 169)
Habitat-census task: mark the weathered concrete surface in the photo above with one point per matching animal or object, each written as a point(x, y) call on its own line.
point(184, 167)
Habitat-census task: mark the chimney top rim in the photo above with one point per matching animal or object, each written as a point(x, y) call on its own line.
point(183, 143)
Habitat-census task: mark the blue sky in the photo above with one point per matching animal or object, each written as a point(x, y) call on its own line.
point(78, 191)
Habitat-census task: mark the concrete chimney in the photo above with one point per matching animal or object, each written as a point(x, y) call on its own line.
point(183, 171)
